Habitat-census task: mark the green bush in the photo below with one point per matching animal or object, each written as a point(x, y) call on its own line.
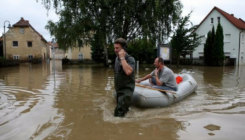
point(65, 61)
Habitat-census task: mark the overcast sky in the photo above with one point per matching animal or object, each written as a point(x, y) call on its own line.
point(38, 16)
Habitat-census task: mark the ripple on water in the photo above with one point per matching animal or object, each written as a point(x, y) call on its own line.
point(207, 98)
point(29, 110)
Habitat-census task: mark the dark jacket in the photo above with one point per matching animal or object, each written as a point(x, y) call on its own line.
point(124, 84)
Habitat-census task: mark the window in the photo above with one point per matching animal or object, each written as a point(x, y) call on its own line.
point(16, 57)
point(30, 57)
point(201, 55)
point(227, 38)
point(22, 31)
point(80, 56)
point(242, 38)
point(212, 20)
point(218, 19)
point(15, 43)
point(29, 43)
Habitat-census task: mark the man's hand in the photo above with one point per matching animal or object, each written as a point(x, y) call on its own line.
point(137, 80)
point(156, 71)
point(121, 53)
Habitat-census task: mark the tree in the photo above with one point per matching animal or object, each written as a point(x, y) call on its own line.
point(214, 47)
point(143, 50)
point(207, 52)
point(102, 21)
point(218, 49)
point(184, 40)
point(208, 47)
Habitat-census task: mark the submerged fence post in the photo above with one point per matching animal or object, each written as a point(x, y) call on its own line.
point(137, 67)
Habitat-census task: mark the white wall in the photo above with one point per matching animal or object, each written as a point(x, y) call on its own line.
point(69, 53)
point(59, 54)
point(228, 28)
point(242, 49)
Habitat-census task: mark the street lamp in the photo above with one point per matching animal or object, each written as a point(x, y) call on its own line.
point(9, 26)
point(53, 43)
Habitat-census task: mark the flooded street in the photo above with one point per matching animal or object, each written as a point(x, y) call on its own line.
point(76, 103)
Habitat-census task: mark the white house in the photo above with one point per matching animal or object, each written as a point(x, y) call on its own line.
point(58, 53)
point(74, 53)
point(234, 34)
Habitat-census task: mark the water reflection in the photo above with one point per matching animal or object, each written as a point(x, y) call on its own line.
point(213, 76)
point(74, 102)
point(27, 99)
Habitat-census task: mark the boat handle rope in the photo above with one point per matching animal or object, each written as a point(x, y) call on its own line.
point(165, 91)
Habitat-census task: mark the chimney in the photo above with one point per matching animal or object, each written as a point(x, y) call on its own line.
point(21, 18)
point(232, 15)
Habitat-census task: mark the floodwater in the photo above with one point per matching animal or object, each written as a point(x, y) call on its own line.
point(76, 103)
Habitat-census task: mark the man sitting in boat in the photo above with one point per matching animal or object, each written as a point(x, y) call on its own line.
point(162, 77)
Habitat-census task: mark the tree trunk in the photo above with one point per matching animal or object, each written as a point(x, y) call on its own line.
point(178, 61)
point(106, 55)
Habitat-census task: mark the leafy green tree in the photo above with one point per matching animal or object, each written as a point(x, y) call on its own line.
point(143, 50)
point(102, 21)
point(183, 40)
point(208, 48)
point(218, 49)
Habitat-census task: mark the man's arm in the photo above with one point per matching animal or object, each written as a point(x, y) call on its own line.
point(158, 82)
point(126, 67)
point(144, 78)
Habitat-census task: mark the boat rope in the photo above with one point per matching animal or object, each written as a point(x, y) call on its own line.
point(165, 91)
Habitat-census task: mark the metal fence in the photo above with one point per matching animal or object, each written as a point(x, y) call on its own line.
point(9, 63)
point(200, 62)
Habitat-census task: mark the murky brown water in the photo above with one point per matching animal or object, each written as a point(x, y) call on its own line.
point(76, 103)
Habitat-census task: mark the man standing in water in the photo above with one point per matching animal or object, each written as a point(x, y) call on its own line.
point(162, 77)
point(124, 77)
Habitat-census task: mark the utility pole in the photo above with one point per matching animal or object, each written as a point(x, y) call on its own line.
point(9, 26)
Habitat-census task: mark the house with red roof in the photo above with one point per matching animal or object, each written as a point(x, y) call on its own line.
point(58, 53)
point(25, 43)
point(234, 34)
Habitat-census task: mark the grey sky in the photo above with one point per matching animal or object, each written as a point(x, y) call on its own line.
point(13, 10)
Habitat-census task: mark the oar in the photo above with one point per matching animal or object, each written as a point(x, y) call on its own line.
point(156, 89)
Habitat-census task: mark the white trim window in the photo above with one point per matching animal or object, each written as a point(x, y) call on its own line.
point(218, 18)
point(30, 57)
point(16, 57)
point(15, 44)
point(227, 38)
point(80, 56)
point(242, 38)
point(212, 20)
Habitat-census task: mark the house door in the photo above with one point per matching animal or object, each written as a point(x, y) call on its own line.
point(80, 56)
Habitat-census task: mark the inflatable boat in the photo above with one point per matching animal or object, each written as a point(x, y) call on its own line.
point(145, 96)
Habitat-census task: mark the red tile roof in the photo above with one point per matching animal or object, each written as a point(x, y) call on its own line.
point(55, 45)
point(25, 23)
point(239, 23)
point(22, 23)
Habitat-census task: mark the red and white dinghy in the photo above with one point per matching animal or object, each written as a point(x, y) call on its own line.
point(146, 97)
